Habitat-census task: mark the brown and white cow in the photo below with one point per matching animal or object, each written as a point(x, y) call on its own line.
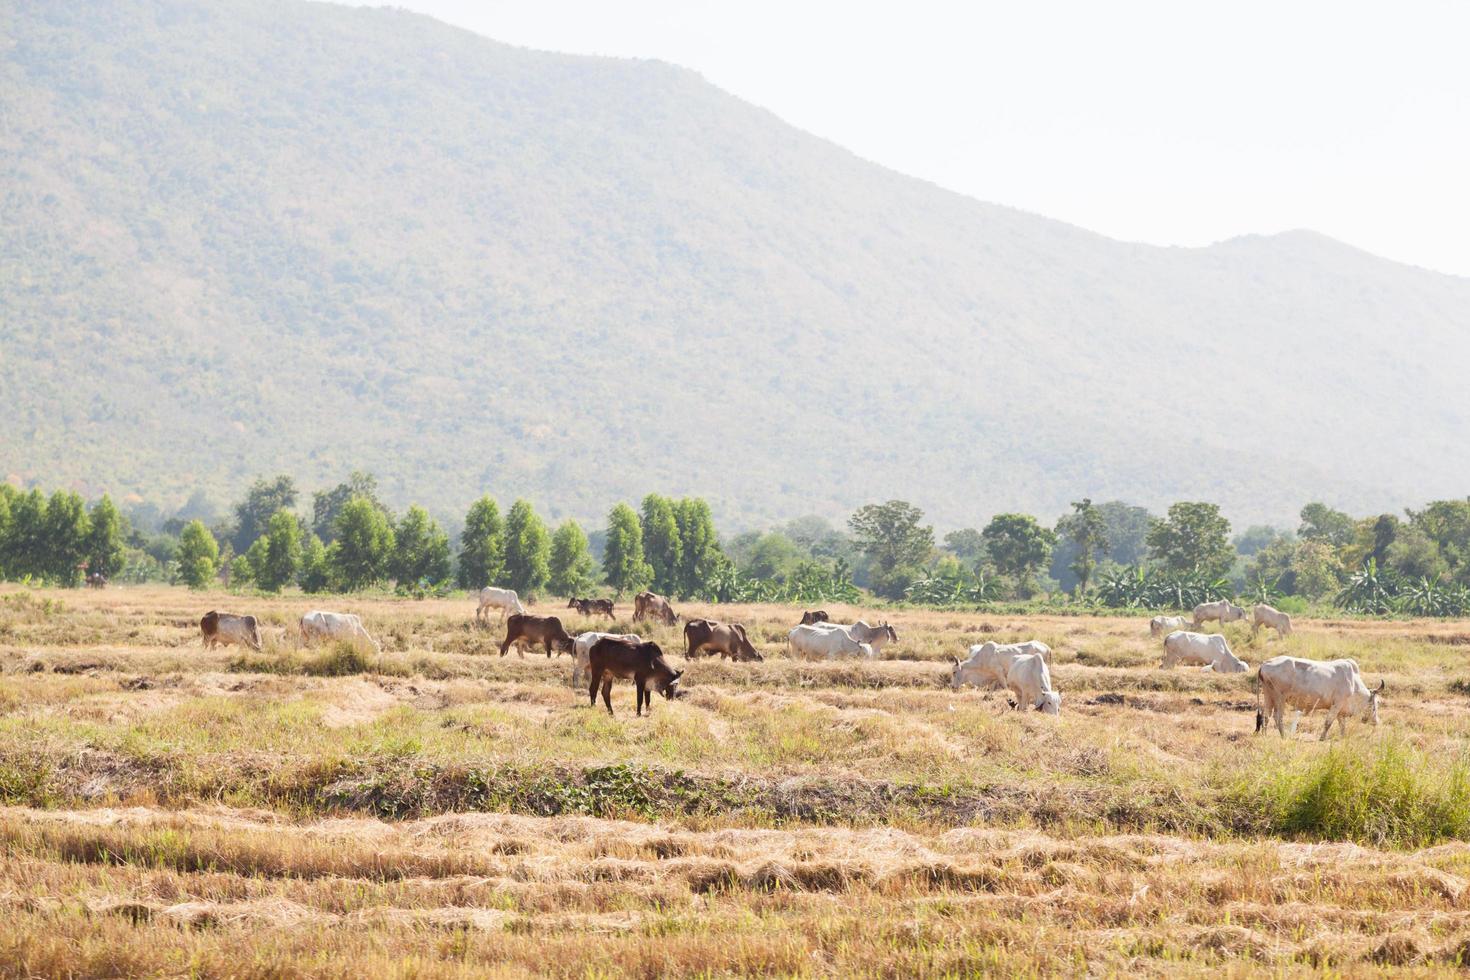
point(650, 605)
point(222, 629)
point(592, 607)
point(726, 639)
point(814, 616)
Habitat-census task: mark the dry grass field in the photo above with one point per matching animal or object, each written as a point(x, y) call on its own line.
point(437, 810)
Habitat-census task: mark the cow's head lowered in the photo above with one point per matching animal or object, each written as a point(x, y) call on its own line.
point(1368, 707)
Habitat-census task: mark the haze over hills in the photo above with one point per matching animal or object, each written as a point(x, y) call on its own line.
point(259, 236)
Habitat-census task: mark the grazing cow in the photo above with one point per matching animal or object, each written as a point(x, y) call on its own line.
point(1164, 625)
point(1264, 615)
point(1201, 649)
point(648, 605)
point(825, 641)
point(505, 600)
point(874, 636)
point(988, 662)
point(814, 616)
point(1309, 684)
point(582, 650)
point(592, 607)
point(222, 629)
point(530, 630)
point(642, 663)
point(321, 625)
point(726, 639)
point(1029, 680)
point(96, 580)
point(1225, 611)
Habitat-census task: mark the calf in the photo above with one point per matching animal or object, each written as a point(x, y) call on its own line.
point(1209, 650)
point(988, 662)
point(726, 639)
point(642, 663)
point(1028, 679)
point(582, 651)
point(1225, 611)
point(1164, 625)
point(528, 629)
point(505, 600)
point(321, 625)
point(1264, 615)
point(222, 629)
point(649, 605)
point(814, 616)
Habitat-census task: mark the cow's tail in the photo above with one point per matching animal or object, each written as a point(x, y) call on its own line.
point(1260, 702)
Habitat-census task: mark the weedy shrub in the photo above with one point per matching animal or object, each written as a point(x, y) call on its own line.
point(1383, 792)
point(340, 659)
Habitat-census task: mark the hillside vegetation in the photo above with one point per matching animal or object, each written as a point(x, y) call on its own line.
point(255, 236)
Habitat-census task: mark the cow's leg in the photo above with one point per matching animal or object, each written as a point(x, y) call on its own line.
point(1332, 715)
point(596, 679)
point(638, 686)
point(606, 695)
point(505, 644)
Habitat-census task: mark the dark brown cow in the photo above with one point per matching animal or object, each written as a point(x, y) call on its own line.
point(96, 580)
point(528, 629)
point(642, 663)
point(222, 629)
point(815, 616)
point(593, 607)
point(648, 605)
point(726, 639)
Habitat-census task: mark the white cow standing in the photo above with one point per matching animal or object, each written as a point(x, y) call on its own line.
point(873, 636)
point(1164, 625)
point(505, 600)
point(322, 625)
point(1029, 680)
point(988, 663)
point(1209, 650)
point(1224, 610)
point(1264, 615)
point(1336, 685)
point(824, 641)
point(582, 651)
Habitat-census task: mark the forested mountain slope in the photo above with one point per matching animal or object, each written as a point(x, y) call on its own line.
point(259, 236)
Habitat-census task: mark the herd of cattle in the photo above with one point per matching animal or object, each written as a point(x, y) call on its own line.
point(1020, 669)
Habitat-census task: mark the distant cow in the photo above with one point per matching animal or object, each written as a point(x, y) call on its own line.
point(814, 616)
point(1164, 625)
point(1225, 611)
point(648, 605)
point(642, 663)
point(874, 636)
point(824, 641)
point(321, 625)
point(726, 639)
point(523, 628)
point(988, 662)
point(592, 607)
point(582, 650)
point(505, 600)
point(1264, 615)
point(222, 629)
point(1201, 649)
point(1028, 679)
point(1336, 685)
point(96, 580)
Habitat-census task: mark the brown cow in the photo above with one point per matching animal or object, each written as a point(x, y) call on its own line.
point(593, 607)
point(529, 629)
point(647, 605)
point(726, 639)
point(815, 616)
point(222, 629)
point(641, 663)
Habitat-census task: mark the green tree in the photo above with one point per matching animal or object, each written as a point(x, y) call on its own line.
point(1316, 568)
point(1322, 523)
point(1447, 524)
point(571, 566)
point(700, 557)
point(482, 546)
point(327, 504)
point(661, 543)
point(1086, 529)
point(242, 567)
point(104, 548)
point(65, 530)
point(421, 550)
point(1413, 554)
point(527, 550)
point(894, 541)
point(364, 547)
point(26, 548)
point(197, 554)
point(279, 559)
point(1018, 546)
point(262, 500)
point(623, 566)
point(1193, 539)
point(966, 544)
point(772, 558)
point(316, 571)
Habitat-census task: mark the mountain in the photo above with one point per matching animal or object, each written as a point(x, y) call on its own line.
point(242, 237)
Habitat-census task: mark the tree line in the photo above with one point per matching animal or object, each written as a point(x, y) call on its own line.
point(1112, 554)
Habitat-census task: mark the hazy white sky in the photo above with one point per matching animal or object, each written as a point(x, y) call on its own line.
point(1148, 120)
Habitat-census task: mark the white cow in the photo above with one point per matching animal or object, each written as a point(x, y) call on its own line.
point(988, 662)
point(1164, 625)
point(1309, 684)
point(582, 651)
point(505, 600)
point(1225, 611)
point(1029, 680)
point(823, 641)
point(1264, 615)
point(873, 636)
point(1196, 649)
point(322, 625)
